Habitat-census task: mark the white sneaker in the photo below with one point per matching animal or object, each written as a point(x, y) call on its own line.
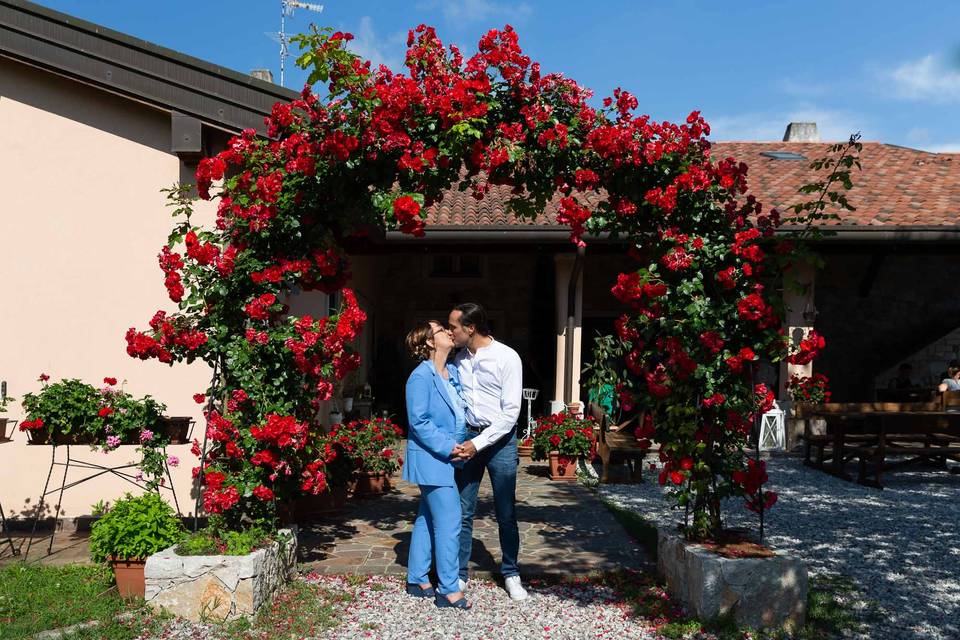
point(515, 589)
point(462, 584)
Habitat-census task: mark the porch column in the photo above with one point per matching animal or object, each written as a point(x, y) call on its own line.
point(798, 321)
point(800, 316)
point(563, 264)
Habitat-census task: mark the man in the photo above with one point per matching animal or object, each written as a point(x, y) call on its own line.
point(491, 378)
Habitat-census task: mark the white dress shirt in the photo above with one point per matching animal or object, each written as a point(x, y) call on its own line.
point(492, 384)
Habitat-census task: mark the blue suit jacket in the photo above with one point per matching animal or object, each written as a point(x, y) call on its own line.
point(432, 427)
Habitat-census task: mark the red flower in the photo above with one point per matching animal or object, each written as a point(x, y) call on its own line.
point(44, 377)
point(110, 381)
point(407, 212)
point(555, 440)
point(199, 398)
point(263, 493)
point(105, 412)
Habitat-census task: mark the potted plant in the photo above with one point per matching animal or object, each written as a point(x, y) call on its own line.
point(130, 531)
point(63, 412)
point(4, 399)
point(372, 446)
point(339, 470)
point(525, 447)
point(563, 438)
point(809, 391)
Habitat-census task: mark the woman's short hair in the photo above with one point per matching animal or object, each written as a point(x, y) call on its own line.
point(417, 339)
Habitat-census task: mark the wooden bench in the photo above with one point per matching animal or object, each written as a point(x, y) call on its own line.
point(844, 420)
point(618, 445)
point(929, 438)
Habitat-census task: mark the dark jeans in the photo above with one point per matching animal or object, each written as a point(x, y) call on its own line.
point(501, 460)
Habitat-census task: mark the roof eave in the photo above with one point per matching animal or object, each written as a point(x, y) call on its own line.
point(139, 70)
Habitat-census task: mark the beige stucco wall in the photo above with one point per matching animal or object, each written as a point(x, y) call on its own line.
point(81, 223)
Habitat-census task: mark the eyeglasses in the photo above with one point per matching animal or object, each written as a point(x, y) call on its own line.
point(441, 330)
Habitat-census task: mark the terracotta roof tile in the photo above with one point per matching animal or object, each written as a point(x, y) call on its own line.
point(898, 187)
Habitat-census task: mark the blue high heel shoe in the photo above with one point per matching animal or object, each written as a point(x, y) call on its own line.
point(417, 591)
point(442, 602)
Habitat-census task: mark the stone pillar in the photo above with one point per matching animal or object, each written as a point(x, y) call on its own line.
point(564, 269)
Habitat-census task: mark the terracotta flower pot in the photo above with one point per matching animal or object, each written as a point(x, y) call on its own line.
point(177, 429)
point(129, 577)
point(525, 450)
point(563, 467)
point(73, 438)
point(371, 483)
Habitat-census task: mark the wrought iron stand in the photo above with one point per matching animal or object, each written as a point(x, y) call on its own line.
point(5, 539)
point(98, 470)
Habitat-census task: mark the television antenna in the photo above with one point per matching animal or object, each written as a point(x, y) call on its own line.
point(286, 11)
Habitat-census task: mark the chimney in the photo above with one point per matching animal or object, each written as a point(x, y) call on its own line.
point(801, 132)
point(267, 76)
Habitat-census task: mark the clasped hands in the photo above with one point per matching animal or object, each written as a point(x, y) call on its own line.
point(463, 452)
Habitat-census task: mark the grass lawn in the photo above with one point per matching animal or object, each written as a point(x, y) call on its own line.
point(35, 598)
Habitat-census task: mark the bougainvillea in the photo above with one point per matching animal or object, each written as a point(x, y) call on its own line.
point(382, 147)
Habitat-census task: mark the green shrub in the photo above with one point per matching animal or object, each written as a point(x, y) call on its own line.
point(134, 528)
point(214, 541)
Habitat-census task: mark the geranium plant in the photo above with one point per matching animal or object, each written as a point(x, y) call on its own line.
point(566, 433)
point(73, 411)
point(376, 150)
point(809, 389)
point(372, 445)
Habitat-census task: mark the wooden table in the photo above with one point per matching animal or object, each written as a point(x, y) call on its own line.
point(925, 436)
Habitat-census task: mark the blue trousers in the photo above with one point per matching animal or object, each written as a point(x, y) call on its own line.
point(501, 460)
point(436, 532)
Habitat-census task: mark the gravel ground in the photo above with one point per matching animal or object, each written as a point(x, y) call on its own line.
point(381, 609)
point(899, 545)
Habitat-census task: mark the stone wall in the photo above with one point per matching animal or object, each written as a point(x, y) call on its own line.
point(759, 592)
point(928, 363)
point(880, 306)
point(219, 587)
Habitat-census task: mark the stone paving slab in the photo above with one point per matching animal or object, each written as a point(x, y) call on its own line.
point(564, 531)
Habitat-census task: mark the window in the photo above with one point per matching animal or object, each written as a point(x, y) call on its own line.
point(783, 155)
point(455, 266)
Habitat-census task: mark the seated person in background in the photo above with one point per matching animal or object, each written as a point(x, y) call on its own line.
point(903, 379)
point(952, 380)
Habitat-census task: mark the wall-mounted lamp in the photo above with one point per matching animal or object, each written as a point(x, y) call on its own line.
point(809, 312)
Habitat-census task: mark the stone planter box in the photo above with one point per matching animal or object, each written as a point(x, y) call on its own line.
point(219, 587)
point(760, 592)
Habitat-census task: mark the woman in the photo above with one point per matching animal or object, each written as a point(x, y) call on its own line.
point(437, 424)
point(952, 381)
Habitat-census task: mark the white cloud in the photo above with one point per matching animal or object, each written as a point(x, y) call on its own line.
point(833, 125)
point(950, 147)
point(389, 50)
point(927, 79)
point(480, 10)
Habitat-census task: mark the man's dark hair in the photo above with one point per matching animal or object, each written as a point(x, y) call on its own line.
point(472, 314)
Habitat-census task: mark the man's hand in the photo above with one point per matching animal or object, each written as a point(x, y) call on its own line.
point(464, 451)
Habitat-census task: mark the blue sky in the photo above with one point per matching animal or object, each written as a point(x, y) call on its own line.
point(888, 69)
